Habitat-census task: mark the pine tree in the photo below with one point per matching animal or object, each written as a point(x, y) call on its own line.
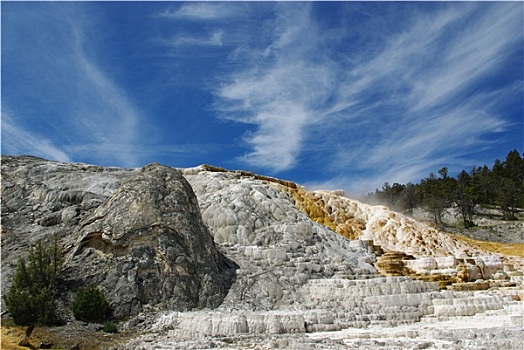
point(502, 185)
point(465, 198)
point(31, 299)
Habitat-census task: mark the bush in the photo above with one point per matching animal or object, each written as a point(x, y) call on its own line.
point(110, 327)
point(31, 299)
point(31, 308)
point(90, 305)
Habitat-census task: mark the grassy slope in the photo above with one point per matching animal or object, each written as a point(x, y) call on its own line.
point(514, 249)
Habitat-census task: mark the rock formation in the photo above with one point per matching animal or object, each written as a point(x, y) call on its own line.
point(277, 247)
point(390, 230)
point(232, 259)
point(42, 199)
point(146, 244)
point(411, 248)
point(136, 235)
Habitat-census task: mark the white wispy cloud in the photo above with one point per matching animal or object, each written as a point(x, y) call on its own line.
point(402, 108)
point(281, 95)
point(214, 38)
point(448, 131)
point(479, 49)
point(83, 105)
point(203, 11)
point(435, 70)
point(106, 115)
point(18, 140)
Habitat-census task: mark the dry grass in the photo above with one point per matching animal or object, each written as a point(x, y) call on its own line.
point(10, 340)
point(60, 338)
point(513, 249)
point(11, 335)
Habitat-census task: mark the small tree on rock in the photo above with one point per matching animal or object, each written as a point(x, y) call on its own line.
point(31, 299)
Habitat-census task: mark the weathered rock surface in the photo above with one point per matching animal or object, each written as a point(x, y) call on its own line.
point(147, 245)
point(411, 248)
point(325, 305)
point(275, 266)
point(137, 235)
point(392, 313)
point(277, 247)
point(390, 230)
point(41, 199)
point(290, 284)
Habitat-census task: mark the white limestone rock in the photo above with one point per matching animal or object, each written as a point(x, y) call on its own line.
point(487, 267)
point(277, 247)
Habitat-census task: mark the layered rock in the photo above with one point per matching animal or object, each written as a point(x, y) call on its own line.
point(277, 247)
point(325, 305)
point(485, 267)
point(43, 199)
point(372, 313)
point(135, 234)
point(147, 244)
point(392, 231)
point(412, 248)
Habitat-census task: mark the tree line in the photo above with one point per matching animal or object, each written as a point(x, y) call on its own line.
point(502, 186)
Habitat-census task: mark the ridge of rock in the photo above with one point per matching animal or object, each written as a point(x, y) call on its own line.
point(381, 229)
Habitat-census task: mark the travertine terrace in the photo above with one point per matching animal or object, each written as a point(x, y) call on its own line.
point(210, 258)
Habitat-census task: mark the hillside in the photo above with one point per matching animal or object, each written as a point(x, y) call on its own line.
point(205, 257)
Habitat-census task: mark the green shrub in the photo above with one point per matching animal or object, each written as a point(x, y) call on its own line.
point(90, 305)
point(31, 299)
point(110, 327)
point(22, 306)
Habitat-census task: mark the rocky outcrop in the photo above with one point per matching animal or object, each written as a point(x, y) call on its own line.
point(147, 245)
point(326, 305)
point(444, 270)
point(277, 247)
point(43, 199)
point(411, 248)
point(371, 313)
point(484, 267)
point(332, 210)
point(389, 230)
point(135, 234)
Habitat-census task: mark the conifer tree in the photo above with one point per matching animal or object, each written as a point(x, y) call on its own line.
point(31, 299)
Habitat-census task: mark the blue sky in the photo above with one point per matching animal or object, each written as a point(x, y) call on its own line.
point(327, 94)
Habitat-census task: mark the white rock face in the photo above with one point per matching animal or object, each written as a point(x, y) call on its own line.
point(324, 304)
point(486, 267)
point(377, 313)
point(490, 329)
point(396, 232)
point(301, 286)
point(435, 252)
point(277, 247)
